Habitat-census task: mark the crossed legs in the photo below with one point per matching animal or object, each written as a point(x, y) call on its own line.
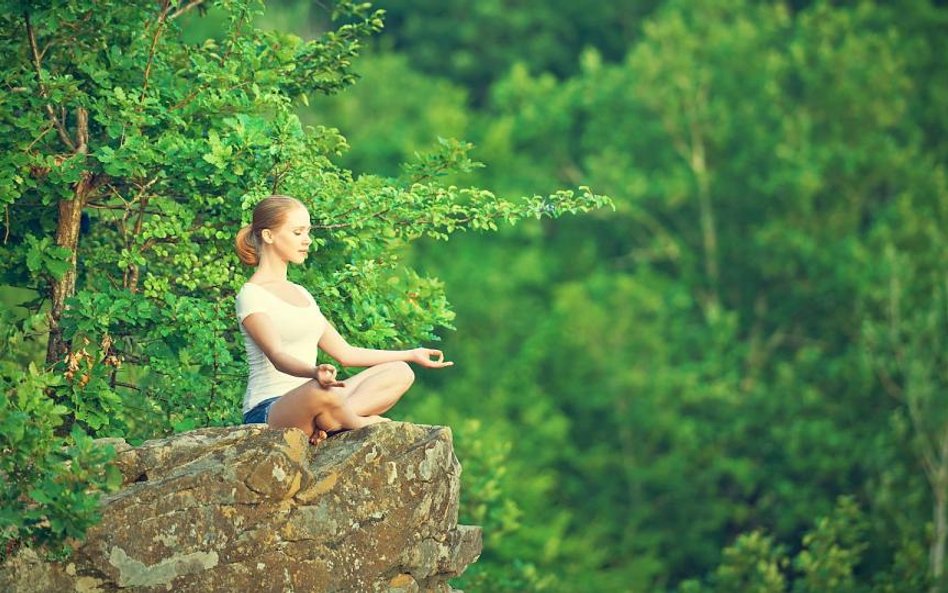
point(311, 408)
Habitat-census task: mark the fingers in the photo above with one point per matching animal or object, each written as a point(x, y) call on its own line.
point(327, 377)
point(425, 354)
point(425, 358)
point(438, 364)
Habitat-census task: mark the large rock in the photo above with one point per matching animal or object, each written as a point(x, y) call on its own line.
point(251, 508)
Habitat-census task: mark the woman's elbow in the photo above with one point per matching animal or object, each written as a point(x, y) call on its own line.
point(345, 359)
point(350, 356)
point(279, 362)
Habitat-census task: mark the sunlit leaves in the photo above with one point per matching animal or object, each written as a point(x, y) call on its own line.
point(186, 133)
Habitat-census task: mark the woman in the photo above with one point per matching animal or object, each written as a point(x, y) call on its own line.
point(283, 328)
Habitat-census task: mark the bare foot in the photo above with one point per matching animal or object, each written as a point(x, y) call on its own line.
point(369, 420)
point(320, 435)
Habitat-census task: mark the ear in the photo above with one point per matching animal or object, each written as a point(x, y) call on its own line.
point(266, 235)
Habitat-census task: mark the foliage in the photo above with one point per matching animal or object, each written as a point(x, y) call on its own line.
point(734, 382)
point(49, 483)
point(752, 564)
point(736, 348)
point(828, 560)
point(149, 148)
point(409, 111)
point(473, 42)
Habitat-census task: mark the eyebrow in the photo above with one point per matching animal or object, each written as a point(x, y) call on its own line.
point(302, 227)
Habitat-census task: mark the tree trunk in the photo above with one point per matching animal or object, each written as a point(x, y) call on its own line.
point(67, 235)
point(940, 517)
point(937, 552)
point(709, 235)
point(699, 167)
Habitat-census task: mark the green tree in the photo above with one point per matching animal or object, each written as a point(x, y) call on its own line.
point(132, 154)
point(410, 112)
point(754, 152)
point(828, 559)
point(709, 362)
point(905, 343)
point(473, 42)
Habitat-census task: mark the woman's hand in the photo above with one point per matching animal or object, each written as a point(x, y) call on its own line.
point(326, 375)
point(423, 356)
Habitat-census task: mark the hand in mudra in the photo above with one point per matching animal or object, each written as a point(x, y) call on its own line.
point(423, 356)
point(326, 375)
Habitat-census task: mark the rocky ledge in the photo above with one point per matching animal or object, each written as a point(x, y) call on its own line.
point(251, 508)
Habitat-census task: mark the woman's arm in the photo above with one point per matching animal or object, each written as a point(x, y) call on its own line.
point(260, 328)
point(336, 346)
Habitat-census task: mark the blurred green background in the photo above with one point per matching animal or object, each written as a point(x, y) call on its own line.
point(738, 380)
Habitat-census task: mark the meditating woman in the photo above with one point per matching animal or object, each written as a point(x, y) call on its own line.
point(283, 329)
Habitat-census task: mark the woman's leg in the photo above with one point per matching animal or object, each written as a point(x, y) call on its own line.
point(376, 389)
point(309, 407)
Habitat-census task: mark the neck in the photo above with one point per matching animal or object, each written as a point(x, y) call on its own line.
point(271, 268)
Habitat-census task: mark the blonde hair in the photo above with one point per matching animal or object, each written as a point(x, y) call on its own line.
point(270, 213)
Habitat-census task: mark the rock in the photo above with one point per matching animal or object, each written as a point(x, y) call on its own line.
point(251, 508)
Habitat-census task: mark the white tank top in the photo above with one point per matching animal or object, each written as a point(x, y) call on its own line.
point(299, 328)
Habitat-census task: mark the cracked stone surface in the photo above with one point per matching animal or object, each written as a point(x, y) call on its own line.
point(259, 509)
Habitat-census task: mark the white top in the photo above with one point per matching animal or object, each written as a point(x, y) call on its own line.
point(299, 328)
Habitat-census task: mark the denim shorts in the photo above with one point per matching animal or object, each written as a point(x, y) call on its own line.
point(260, 412)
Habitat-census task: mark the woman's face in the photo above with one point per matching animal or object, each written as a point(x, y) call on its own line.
point(290, 242)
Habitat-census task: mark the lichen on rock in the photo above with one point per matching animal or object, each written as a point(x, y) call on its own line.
point(256, 508)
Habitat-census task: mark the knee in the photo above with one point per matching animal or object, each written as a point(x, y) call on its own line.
point(320, 399)
point(403, 373)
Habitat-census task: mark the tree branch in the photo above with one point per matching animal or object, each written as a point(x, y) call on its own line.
point(38, 138)
point(119, 208)
point(342, 225)
point(185, 8)
point(82, 130)
point(31, 35)
point(166, 7)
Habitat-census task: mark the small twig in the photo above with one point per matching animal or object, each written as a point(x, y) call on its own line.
point(201, 88)
point(185, 8)
point(40, 137)
point(278, 177)
point(342, 225)
point(233, 40)
point(154, 43)
point(120, 208)
point(429, 175)
point(186, 100)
